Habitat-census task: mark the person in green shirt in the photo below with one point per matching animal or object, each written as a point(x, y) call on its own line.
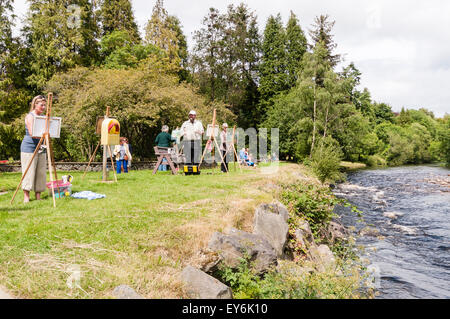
point(164, 139)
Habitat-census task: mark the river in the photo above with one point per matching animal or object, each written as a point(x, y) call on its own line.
point(409, 207)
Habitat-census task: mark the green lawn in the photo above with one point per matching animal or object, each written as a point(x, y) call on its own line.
point(142, 234)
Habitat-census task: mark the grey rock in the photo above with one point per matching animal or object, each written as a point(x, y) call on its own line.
point(200, 285)
point(272, 227)
point(322, 256)
point(304, 234)
point(239, 244)
point(336, 231)
point(275, 208)
point(126, 292)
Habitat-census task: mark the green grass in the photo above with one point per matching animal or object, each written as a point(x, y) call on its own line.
point(142, 234)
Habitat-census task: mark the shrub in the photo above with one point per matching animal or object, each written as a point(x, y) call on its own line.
point(326, 159)
point(375, 161)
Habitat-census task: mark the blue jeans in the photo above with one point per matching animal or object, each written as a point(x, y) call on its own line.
point(120, 164)
point(163, 167)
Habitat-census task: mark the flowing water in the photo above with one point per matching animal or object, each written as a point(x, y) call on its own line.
point(409, 208)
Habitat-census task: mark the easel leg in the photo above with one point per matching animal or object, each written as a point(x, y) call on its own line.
point(237, 159)
point(28, 167)
point(112, 163)
point(91, 159)
point(220, 153)
point(157, 164)
point(49, 157)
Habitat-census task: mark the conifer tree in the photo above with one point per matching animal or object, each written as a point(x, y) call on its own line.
point(296, 46)
point(117, 15)
point(321, 33)
point(160, 32)
point(60, 34)
point(273, 69)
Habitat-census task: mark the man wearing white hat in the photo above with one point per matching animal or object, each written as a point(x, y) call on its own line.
point(192, 131)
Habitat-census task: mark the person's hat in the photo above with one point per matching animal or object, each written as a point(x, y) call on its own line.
point(224, 125)
point(192, 112)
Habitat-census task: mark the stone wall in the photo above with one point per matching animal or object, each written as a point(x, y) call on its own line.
point(81, 166)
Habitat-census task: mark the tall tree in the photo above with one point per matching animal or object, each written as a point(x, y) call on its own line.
point(225, 60)
point(273, 69)
point(321, 33)
point(164, 32)
point(117, 15)
point(296, 46)
point(207, 59)
point(60, 35)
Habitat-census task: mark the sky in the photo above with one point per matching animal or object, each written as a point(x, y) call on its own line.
point(402, 48)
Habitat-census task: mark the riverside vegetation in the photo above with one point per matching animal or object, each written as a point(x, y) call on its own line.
point(150, 226)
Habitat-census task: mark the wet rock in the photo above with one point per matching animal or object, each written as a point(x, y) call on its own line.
point(392, 215)
point(237, 245)
point(273, 227)
point(369, 231)
point(200, 285)
point(126, 292)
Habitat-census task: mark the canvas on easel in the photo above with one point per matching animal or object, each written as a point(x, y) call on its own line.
point(39, 126)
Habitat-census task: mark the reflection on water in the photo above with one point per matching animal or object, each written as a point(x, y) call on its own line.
point(410, 207)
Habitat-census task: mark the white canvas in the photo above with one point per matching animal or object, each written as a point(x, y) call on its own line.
point(39, 126)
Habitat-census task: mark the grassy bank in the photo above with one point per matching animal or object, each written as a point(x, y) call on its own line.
point(142, 234)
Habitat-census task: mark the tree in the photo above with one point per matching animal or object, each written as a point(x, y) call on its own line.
point(321, 33)
point(160, 33)
point(225, 60)
point(58, 38)
point(118, 15)
point(296, 46)
point(273, 72)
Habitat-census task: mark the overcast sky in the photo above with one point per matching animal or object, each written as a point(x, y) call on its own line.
point(401, 47)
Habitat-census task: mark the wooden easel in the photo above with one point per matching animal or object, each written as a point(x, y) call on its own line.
point(45, 139)
point(234, 151)
point(210, 140)
point(105, 157)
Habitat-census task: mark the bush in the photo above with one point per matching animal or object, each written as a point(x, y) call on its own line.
point(326, 159)
point(376, 161)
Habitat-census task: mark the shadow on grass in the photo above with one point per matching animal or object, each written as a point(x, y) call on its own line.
point(8, 209)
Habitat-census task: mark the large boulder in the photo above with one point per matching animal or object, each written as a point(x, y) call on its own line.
point(275, 208)
point(200, 285)
point(271, 226)
point(126, 292)
point(322, 257)
point(238, 245)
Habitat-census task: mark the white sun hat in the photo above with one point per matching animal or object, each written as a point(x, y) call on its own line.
point(192, 112)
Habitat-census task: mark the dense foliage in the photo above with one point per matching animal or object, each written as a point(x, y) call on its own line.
point(90, 53)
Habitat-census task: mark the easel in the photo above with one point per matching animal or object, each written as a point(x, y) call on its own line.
point(45, 138)
point(210, 140)
point(234, 151)
point(163, 152)
point(105, 157)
